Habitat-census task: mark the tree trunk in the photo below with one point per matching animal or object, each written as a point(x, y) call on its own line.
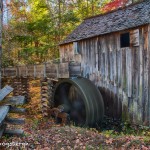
point(59, 19)
point(1, 18)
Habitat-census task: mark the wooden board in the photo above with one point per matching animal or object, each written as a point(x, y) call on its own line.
point(15, 121)
point(74, 69)
point(63, 70)
point(30, 71)
point(17, 132)
point(10, 71)
point(17, 100)
point(22, 71)
point(17, 110)
point(134, 37)
point(5, 91)
point(3, 112)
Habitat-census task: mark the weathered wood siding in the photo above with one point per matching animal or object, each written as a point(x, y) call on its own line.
point(67, 52)
point(122, 74)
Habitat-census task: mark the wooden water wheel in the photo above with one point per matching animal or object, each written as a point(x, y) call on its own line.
point(81, 99)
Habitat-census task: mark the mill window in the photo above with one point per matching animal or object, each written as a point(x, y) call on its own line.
point(125, 40)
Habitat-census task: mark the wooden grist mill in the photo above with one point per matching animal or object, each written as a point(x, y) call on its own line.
point(114, 52)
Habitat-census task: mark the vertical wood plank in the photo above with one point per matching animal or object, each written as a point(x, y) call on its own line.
point(140, 109)
point(44, 70)
point(146, 72)
point(148, 123)
point(129, 71)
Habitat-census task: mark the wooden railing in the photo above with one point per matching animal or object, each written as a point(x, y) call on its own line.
point(53, 70)
point(8, 105)
point(50, 70)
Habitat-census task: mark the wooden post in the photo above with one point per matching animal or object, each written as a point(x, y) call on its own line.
point(57, 69)
point(45, 70)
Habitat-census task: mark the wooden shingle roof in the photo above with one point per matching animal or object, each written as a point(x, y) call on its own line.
point(125, 18)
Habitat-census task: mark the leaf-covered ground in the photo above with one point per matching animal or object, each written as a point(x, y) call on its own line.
point(44, 134)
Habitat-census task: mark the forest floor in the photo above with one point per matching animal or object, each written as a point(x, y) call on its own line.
point(43, 134)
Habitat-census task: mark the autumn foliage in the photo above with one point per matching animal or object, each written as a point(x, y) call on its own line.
point(115, 4)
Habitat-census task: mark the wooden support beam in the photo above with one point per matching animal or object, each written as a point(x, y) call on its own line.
point(17, 110)
point(17, 132)
point(15, 121)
